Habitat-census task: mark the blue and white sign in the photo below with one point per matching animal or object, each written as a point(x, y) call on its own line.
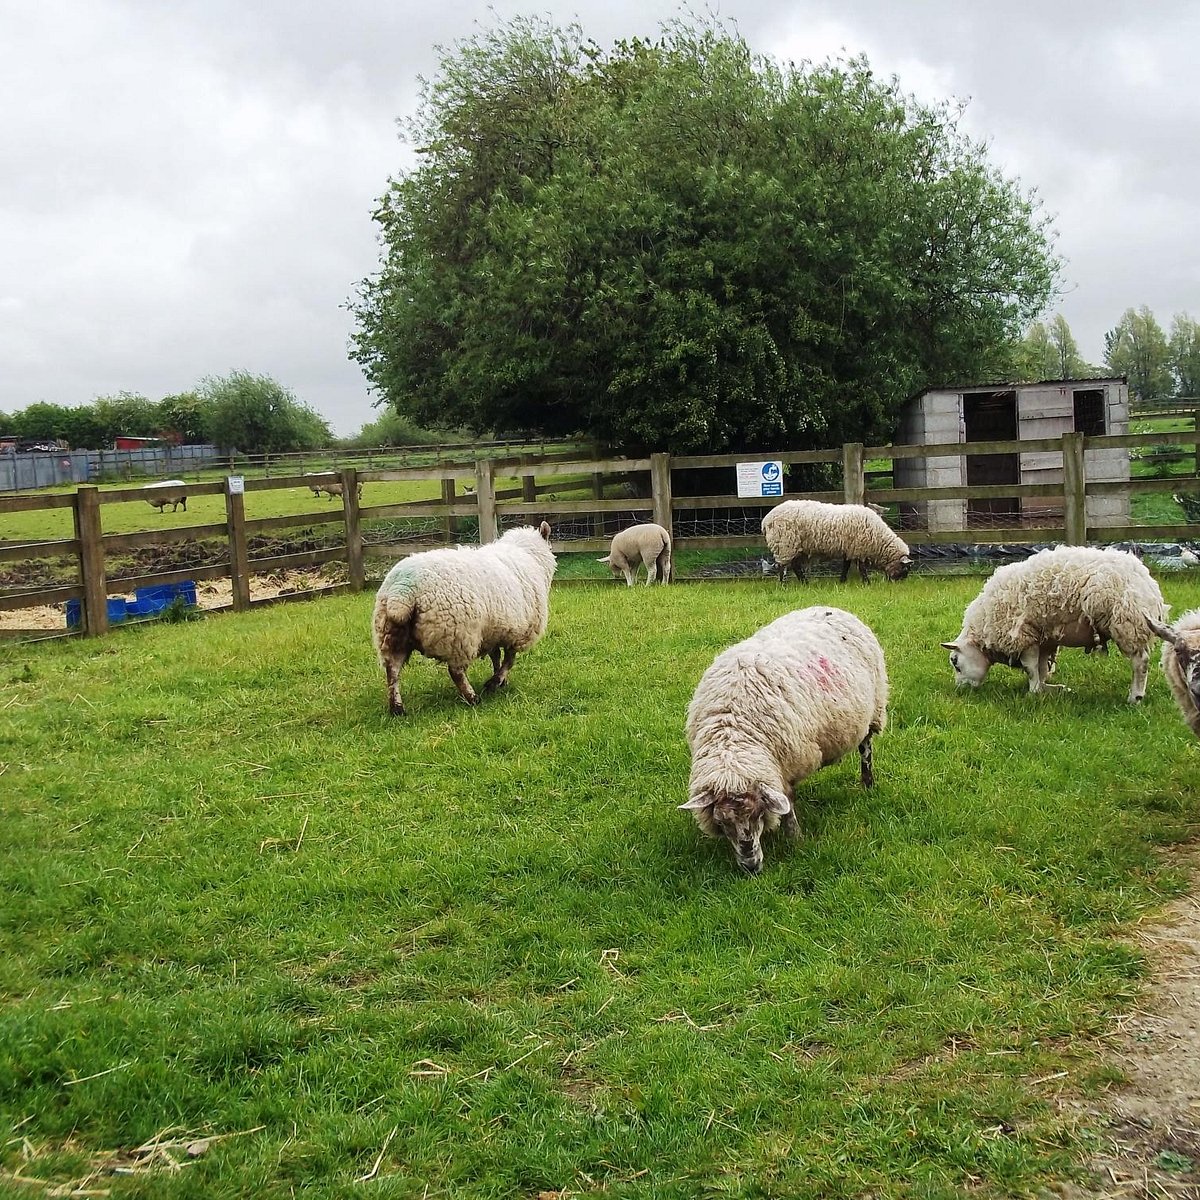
point(760, 478)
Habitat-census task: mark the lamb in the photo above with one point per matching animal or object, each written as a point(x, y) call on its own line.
point(798, 530)
point(457, 604)
point(176, 496)
point(334, 490)
point(773, 709)
point(1181, 664)
point(648, 544)
point(1069, 596)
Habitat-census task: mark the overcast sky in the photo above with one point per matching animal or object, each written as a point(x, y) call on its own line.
point(186, 188)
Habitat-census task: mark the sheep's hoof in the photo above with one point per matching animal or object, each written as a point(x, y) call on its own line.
point(494, 684)
point(396, 710)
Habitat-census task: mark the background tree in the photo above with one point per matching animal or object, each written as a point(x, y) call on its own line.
point(256, 415)
point(183, 416)
point(678, 244)
point(1137, 348)
point(124, 414)
point(1036, 357)
point(391, 428)
point(1184, 355)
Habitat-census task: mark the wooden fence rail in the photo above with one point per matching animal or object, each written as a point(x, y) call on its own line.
point(649, 479)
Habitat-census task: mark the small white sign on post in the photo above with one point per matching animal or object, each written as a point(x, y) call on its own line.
point(237, 484)
point(760, 478)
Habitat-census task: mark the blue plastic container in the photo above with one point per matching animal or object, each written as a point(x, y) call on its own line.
point(117, 611)
point(161, 594)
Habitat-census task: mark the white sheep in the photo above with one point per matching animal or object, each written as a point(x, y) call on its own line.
point(771, 710)
point(1069, 596)
point(460, 603)
point(798, 530)
point(648, 544)
point(1181, 664)
point(175, 496)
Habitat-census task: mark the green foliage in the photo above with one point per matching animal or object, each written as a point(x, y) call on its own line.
point(184, 416)
point(1051, 352)
point(1137, 348)
point(478, 954)
point(255, 415)
point(391, 428)
point(681, 245)
point(1184, 352)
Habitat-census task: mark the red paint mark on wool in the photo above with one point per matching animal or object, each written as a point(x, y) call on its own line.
point(823, 673)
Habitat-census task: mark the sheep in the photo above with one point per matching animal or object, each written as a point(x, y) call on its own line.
point(1181, 663)
point(315, 485)
point(773, 709)
point(459, 603)
point(1069, 596)
point(798, 530)
point(334, 490)
point(648, 544)
point(175, 497)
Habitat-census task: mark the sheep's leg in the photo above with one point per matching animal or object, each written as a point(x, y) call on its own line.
point(846, 564)
point(1036, 661)
point(867, 771)
point(864, 571)
point(789, 825)
point(184, 503)
point(664, 566)
point(630, 575)
point(651, 570)
point(465, 690)
point(1141, 664)
point(501, 670)
point(781, 571)
point(392, 667)
point(800, 567)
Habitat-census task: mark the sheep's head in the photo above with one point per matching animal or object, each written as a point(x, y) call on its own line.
point(970, 663)
point(741, 820)
point(898, 569)
point(1186, 648)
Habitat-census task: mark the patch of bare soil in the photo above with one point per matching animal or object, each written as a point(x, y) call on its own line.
point(212, 594)
point(1151, 1147)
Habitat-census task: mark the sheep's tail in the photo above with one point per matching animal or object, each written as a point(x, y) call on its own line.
point(395, 613)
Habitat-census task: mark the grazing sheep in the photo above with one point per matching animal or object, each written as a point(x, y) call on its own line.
point(648, 544)
point(335, 490)
point(790, 699)
point(1069, 596)
point(315, 485)
point(1181, 664)
point(175, 496)
point(460, 603)
point(798, 530)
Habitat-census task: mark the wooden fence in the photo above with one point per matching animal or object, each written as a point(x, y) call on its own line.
point(645, 493)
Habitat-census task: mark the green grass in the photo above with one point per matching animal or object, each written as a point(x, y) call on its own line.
point(481, 952)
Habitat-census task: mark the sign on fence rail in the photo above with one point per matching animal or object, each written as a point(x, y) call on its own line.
point(760, 478)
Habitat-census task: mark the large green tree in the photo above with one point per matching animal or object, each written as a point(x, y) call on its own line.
point(1049, 351)
point(257, 415)
point(1137, 348)
point(1184, 354)
point(679, 244)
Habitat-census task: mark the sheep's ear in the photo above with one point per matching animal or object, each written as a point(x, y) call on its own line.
point(907, 561)
point(949, 645)
point(776, 802)
point(1164, 631)
point(699, 803)
point(544, 530)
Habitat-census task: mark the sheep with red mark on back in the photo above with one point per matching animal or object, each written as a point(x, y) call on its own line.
point(773, 709)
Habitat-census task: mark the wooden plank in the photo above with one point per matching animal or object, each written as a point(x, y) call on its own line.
point(1112, 441)
point(410, 474)
point(130, 583)
point(1142, 533)
point(688, 461)
point(239, 570)
point(335, 516)
point(692, 502)
point(91, 560)
point(1074, 493)
point(354, 544)
point(978, 491)
point(125, 494)
point(728, 542)
point(853, 483)
point(586, 467)
point(550, 508)
point(114, 543)
point(11, 504)
point(10, 552)
point(287, 562)
point(421, 508)
point(1136, 487)
point(982, 537)
point(660, 491)
point(12, 601)
point(485, 493)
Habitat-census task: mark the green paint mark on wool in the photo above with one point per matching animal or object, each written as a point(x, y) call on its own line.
point(402, 579)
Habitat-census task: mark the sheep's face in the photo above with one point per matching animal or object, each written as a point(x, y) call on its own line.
point(970, 663)
point(1188, 659)
point(898, 569)
point(741, 820)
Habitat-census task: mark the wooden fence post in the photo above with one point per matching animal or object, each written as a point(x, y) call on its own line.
point(485, 495)
point(854, 481)
point(660, 491)
point(239, 557)
point(91, 560)
point(354, 542)
point(448, 497)
point(528, 482)
point(1074, 490)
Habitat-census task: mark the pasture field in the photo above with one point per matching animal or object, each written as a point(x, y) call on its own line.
point(477, 953)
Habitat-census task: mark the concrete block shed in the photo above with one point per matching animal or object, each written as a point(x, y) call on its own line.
point(1011, 412)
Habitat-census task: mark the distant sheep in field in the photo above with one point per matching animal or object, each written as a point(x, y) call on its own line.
point(799, 530)
point(1181, 664)
point(1069, 596)
point(316, 486)
point(773, 709)
point(646, 544)
point(170, 491)
point(337, 490)
point(461, 603)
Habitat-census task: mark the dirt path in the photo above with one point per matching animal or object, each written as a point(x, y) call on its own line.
point(1152, 1123)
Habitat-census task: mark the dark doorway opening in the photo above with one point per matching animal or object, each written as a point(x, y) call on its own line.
point(991, 417)
point(1089, 412)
